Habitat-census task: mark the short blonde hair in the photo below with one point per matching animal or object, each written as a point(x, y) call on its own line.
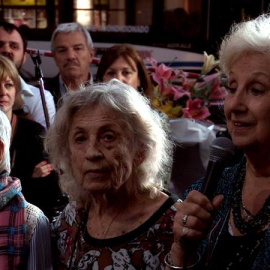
point(8, 69)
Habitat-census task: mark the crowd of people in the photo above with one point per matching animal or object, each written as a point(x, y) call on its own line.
point(90, 191)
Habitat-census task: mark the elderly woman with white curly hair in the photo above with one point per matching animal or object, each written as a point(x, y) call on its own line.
point(112, 148)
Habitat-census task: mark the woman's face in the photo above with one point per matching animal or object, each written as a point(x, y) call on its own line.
point(121, 70)
point(101, 149)
point(247, 105)
point(7, 96)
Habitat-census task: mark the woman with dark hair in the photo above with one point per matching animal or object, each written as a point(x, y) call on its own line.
point(124, 63)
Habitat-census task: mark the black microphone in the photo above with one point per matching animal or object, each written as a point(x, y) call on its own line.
point(221, 150)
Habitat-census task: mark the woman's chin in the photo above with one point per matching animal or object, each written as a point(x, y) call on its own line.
point(95, 187)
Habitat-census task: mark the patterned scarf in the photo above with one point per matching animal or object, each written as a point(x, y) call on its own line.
point(13, 229)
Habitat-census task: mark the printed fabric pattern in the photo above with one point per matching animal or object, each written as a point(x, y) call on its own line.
point(13, 229)
point(143, 248)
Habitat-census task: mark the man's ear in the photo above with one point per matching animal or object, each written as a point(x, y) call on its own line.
point(2, 150)
point(91, 55)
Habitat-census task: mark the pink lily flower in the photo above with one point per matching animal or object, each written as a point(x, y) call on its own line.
point(218, 91)
point(179, 92)
point(162, 71)
point(174, 91)
point(196, 110)
point(199, 90)
point(207, 80)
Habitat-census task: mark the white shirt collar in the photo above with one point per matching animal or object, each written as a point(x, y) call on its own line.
point(26, 88)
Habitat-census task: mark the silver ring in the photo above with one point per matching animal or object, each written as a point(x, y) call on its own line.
point(185, 231)
point(184, 220)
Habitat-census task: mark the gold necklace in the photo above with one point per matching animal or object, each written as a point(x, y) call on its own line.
point(109, 226)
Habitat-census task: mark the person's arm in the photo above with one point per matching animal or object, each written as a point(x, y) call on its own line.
point(40, 255)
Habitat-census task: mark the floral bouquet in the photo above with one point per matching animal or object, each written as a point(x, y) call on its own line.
point(187, 95)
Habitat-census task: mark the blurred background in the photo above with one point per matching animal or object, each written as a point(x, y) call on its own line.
point(185, 26)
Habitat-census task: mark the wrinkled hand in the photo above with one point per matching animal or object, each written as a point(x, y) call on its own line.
point(42, 169)
point(192, 221)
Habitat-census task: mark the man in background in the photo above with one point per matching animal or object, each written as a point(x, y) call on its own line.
point(73, 52)
point(28, 103)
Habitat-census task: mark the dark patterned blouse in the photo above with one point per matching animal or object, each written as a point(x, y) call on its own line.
point(142, 248)
point(219, 249)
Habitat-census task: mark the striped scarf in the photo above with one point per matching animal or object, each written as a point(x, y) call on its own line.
point(13, 229)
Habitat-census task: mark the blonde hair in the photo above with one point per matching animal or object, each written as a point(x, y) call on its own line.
point(8, 69)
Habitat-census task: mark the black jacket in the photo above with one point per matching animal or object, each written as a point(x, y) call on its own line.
point(53, 86)
point(26, 152)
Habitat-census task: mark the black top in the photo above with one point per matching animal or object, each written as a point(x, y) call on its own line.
point(53, 86)
point(26, 151)
point(237, 252)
